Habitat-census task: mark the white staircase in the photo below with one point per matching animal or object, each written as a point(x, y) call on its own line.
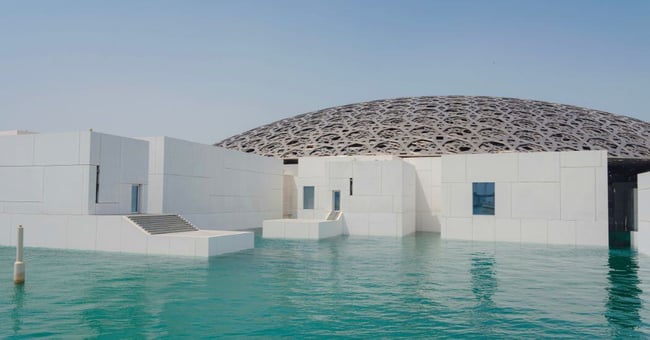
point(162, 224)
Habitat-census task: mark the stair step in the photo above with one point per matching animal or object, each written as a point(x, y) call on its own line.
point(162, 224)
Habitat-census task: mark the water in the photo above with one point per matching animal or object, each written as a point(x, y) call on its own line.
point(417, 286)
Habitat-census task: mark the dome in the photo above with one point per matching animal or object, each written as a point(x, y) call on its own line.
point(429, 126)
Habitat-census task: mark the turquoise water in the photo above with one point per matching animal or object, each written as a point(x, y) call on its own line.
point(348, 287)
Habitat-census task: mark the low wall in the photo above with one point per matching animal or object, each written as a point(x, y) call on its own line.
point(115, 234)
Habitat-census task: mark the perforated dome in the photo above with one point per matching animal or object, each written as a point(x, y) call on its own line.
point(426, 126)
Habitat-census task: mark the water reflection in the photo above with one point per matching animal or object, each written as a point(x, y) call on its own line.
point(623, 301)
point(17, 310)
point(484, 282)
point(484, 285)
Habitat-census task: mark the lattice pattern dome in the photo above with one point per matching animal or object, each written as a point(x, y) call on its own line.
point(425, 126)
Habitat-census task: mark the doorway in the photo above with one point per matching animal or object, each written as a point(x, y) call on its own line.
point(622, 185)
point(135, 198)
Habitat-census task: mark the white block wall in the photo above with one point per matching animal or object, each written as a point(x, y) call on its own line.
point(549, 197)
point(383, 199)
point(214, 188)
point(642, 236)
point(55, 173)
point(428, 192)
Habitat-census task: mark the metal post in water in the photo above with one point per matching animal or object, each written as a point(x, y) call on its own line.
point(19, 266)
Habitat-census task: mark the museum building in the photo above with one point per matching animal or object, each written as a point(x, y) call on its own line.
point(473, 168)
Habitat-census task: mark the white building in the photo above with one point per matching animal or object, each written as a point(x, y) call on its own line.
point(543, 197)
point(487, 168)
point(74, 191)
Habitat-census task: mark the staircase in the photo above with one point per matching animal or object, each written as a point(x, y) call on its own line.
point(333, 215)
point(162, 224)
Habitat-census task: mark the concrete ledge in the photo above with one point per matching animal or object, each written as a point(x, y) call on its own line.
point(116, 233)
point(202, 243)
point(301, 229)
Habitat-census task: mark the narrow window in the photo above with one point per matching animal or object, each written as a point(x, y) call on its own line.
point(97, 185)
point(336, 200)
point(483, 198)
point(135, 198)
point(308, 197)
point(350, 186)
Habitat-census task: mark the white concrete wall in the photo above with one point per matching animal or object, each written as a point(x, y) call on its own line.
point(428, 199)
point(55, 173)
point(642, 236)
point(383, 199)
point(123, 162)
point(213, 188)
point(550, 197)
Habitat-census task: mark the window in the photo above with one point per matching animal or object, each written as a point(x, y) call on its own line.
point(97, 185)
point(483, 198)
point(336, 200)
point(350, 186)
point(308, 197)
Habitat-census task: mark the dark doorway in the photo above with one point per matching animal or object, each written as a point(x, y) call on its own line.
point(622, 185)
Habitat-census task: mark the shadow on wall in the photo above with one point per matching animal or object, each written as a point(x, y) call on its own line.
point(426, 219)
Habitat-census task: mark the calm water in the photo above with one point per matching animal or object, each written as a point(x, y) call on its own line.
point(349, 287)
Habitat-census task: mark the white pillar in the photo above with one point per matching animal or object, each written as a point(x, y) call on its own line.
point(19, 265)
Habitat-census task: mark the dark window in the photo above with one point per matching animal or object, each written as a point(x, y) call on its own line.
point(290, 161)
point(483, 198)
point(97, 185)
point(308, 197)
point(350, 186)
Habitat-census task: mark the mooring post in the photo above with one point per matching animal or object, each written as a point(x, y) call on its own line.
point(19, 266)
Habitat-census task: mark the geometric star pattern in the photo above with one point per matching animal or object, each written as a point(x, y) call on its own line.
point(438, 125)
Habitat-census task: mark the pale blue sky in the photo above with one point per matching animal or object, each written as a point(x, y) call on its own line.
point(205, 70)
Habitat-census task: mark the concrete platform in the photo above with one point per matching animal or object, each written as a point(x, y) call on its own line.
point(202, 243)
point(116, 233)
point(301, 229)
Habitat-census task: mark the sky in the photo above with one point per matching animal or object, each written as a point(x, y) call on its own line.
point(206, 70)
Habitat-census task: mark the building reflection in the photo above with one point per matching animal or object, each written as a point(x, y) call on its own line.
point(623, 295)
point(484, 281)
point(484, 285)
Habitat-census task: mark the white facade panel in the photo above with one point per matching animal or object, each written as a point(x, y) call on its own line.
point(642, 235)
point(454, 168)
point(507, 230)
point(582, 159)
point(17, 150)
point(484, 228)
point(66, 189)
point(491, 167)
point(212, 187)
point(561, 232)
point(578, 194)
point(547, 197)
point(539, 167)
point(367, 178)
point(534, 231)
point(56, 149)
point(21, 183)
point(536, 200)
